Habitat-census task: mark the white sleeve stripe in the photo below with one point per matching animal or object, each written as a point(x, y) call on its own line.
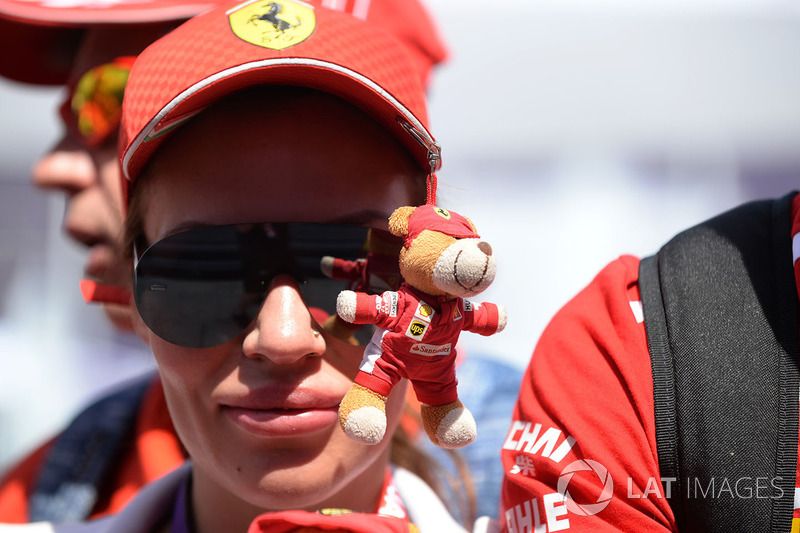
point(638, 313)
point(361, 9)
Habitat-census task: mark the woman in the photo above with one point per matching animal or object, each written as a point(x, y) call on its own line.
point(258, 413)
point(246, 134)
point(142, 446)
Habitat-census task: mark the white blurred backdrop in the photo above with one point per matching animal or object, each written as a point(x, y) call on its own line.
point(572, 132)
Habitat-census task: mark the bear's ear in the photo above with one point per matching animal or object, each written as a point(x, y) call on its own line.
point(398, 222)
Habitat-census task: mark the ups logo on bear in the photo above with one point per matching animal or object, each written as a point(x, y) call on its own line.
point(416, 329)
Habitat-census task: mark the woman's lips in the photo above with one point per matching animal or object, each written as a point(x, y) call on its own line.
point(279, 422)
point(282, 411)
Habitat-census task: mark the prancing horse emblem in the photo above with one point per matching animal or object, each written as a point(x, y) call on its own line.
point(273, 24)
point(271, 16)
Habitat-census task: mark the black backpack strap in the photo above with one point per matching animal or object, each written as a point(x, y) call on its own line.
point(720, 309)
point(83, 457)
point(663, 383)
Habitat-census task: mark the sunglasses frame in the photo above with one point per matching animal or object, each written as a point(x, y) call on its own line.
point(234, 273)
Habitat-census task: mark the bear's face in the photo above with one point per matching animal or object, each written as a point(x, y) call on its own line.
point(441, 264)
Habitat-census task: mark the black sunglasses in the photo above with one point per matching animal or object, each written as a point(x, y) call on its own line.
point(203, 287)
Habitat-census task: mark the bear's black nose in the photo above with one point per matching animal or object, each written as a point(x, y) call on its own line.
point(484, 247)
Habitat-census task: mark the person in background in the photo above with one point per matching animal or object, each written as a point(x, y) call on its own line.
point(126, 439)
point(663, 396)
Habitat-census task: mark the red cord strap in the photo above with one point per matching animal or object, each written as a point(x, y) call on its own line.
point(431, 200)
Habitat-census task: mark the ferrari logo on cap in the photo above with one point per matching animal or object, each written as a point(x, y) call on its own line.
point(276, 25)
point(444, 213)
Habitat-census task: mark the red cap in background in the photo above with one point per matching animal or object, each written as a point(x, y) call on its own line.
point(40, 38)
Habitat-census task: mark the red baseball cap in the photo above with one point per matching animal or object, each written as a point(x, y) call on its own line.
point(431, 217)
point(272, 42)
point(44, 35)
point(40, 38)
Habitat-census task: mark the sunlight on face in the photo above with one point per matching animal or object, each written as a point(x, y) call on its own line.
point(258, 414)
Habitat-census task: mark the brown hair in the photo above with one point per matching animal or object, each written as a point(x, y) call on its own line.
point(133, 229)
point(455, 489)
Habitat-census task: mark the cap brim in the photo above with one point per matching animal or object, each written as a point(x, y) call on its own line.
point(77, 14)
point(297, 72)
point(211, 56)
point(43, 55)
point(45, 37)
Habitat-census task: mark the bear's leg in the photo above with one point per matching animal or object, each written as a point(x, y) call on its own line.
point(362, 415)
point(450, 425)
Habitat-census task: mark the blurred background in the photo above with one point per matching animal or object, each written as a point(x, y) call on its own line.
point(572, 132)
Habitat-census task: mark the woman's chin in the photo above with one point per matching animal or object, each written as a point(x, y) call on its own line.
point(292, 481)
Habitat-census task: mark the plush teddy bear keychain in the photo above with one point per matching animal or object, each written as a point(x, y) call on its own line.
point(443, 260)
point(376, 272)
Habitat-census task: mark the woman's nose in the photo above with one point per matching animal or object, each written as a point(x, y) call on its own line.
point(67, 167)
point(283, 330)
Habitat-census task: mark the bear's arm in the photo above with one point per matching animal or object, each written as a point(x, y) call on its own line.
point(482, 318)
point(383, 310)
point(347, 270)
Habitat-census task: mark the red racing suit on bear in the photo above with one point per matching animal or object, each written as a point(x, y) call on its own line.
point(416, 339)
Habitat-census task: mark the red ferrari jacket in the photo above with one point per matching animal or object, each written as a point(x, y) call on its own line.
point(581, 454)
point(417, 340)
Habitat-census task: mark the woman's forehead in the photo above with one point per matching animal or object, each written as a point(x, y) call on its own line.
point(280, 132)
point(184, 204)
point(240, 162)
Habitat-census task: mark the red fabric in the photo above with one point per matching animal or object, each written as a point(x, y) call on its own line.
point(155, 450)
point(420, 343)
point(46, 37)
point(16, 486)
point(348, 270)
point(587, 395)
point(95, 291)
point(430, 217)
point(373, 70)
point(82, 14)
point(375, 271)
point(390, 516)
point(35, 29)
point(434, 380)
point(306, 522)
point(796, 252)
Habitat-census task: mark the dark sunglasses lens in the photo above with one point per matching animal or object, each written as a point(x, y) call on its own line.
point(193, 288)
point(203, 287)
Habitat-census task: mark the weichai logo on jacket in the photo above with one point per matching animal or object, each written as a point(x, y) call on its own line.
point(276, 25)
